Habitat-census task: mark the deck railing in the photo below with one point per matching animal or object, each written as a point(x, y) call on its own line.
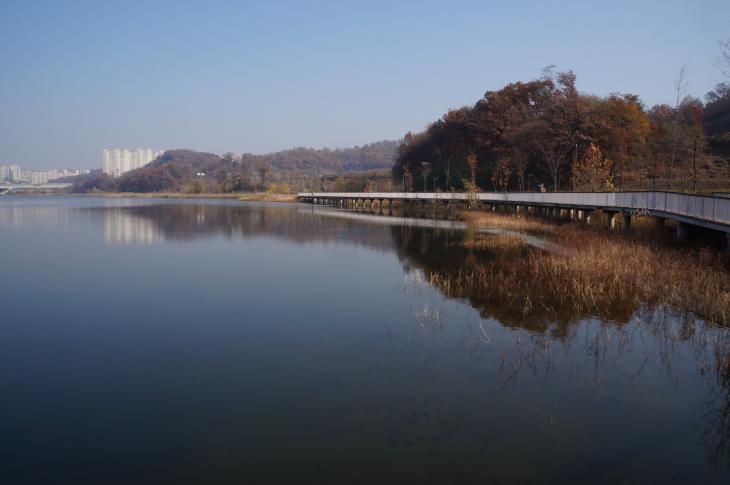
point(706, 208)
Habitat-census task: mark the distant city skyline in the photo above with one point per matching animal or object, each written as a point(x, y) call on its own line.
point(261, 77)
point(19, 175)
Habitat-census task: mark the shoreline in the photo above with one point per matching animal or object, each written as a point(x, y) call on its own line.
point(243, 197)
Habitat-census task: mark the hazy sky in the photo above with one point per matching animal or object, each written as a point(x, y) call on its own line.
point(77, 77)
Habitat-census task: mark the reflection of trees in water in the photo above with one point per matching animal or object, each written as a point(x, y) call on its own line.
point(572, 340)
point(451, 262)
point(566, 343)
point(716, 430)
point(193, 221)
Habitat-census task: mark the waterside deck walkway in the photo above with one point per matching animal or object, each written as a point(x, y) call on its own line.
point(711, 212)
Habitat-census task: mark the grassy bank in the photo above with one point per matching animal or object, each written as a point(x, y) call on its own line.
point(607, 274)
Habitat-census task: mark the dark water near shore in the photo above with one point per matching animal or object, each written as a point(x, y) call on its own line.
point(149, 341)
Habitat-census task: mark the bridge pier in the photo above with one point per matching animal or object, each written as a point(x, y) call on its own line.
point(626, 226)
point(587, 216)
point(611, 216)
point(682, 232)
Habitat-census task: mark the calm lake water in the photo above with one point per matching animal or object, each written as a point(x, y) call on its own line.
point(151, 341)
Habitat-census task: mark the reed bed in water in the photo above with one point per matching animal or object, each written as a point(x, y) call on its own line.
point(496, 219)
point(502, 242)
point(608, 275)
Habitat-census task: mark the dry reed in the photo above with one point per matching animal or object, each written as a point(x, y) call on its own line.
point(609, 276)
point(495, 219)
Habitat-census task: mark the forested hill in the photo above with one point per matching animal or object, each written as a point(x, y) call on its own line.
point(191, 171)
point(367, 157)
point(547, 132)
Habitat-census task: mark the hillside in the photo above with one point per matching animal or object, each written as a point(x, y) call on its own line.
point(367, 157)
point(190, 171)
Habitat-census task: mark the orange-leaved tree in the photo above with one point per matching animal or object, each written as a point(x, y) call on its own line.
point(592, 172)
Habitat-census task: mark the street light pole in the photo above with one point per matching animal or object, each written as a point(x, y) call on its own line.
point(434, 183)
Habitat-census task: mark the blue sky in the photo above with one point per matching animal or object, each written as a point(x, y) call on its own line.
point(77, 77)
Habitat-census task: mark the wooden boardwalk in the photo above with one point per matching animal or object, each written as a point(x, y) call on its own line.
point(712, 212)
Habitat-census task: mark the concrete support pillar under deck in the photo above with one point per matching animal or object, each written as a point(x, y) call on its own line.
point(682, 232)
point(627, 221)
point(587, 217)
point(611, 216)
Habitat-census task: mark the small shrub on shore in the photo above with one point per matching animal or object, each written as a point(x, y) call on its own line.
point(275, 188)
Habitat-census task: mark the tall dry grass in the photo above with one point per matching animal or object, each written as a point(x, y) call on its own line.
point(607, 275)
point(497, 219)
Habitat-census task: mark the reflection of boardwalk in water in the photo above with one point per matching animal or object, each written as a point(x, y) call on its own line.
point(533, 241)
point(122, 227)
point(309, 305)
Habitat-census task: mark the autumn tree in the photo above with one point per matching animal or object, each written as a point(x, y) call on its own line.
point(693, 134)
point(519, 159)
point(471, 184)
point(548, 144)
point(659, 140)
point(554, 136)
point(538, 130)
point(620, 126)
point(425, 170)
point(408, 179)
point(592, 172)
point(501, 175)
point(263, 169)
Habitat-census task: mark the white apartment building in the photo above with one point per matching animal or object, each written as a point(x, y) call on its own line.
point(18, 175)
point(117, 161)
point(10, 174)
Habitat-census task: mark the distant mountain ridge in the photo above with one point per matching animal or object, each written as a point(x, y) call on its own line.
point(359, 158)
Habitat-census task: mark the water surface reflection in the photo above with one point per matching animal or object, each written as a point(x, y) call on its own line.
point(187, 342)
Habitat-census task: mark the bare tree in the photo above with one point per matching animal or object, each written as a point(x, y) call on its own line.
point(263, 169)
point(722, 62)
point(680, 88)
point(425, 170)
